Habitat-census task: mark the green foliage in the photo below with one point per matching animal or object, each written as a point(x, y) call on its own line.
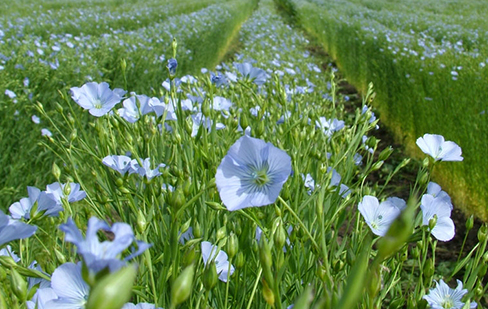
point(427, 62)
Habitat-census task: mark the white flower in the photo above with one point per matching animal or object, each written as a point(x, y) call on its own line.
point(378, 216)
point(444, 228)
point(435, 146)
point(443, 297)
point(210, 253)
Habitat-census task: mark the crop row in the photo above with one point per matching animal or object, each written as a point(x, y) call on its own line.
point(429, 76)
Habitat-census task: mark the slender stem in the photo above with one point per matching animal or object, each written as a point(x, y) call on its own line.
point(255, 287)
point(301, 223)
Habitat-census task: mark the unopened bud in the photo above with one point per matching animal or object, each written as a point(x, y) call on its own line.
point(141, 221)
point(221, 233)
point(232, 245)
point(432, 222)
point(482, 234)
point(56, 171)
point(113, 290)
point(210, 276)
point(469, 223)
point(59, 256)
point(385, 154)
point(182, 287)
point(239, 260)
point(377, 165)
point(19, 285)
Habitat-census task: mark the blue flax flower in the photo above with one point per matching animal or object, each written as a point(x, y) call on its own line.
point(444, 229)
point(11, 229)
point(57, 190)
point(435, 146)
point(67, 291)
point(100, 255)
point(140, 306)
point(378, 216)
point(211, 253)
point(443, 297)
point(255, 75)
point(252, 174)
point(46, 204)
point(97, 98)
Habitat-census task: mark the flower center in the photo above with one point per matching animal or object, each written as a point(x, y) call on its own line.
point(260, 177)
point(97, 104)
point(447, 302)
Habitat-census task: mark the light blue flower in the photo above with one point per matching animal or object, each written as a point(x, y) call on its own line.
point(145, 169)
point(11, 229)
point(7, 251)
point(378, 216)
point(218, 79)
point(97, 98)
point(57, 190)
point(443, 297)
point(255, 75)
point(69, 287)
point(444, 229)
point(100, 255)
point(211, 253)
point(130, 111)
point(329, 126)
point(45, 202)
point(119, 163)
point(436, 191)
point(252, 174)
point(435, 146)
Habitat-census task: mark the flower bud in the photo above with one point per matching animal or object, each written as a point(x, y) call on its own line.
point(59, 108)
point(377, 165)
point(197, 230)
point(469, 223)
point(232, 245)
point(141, 221)
point(385, 154)
point(182, 287)
point(432, 222)
point(113, 290)
point(482, 234)
point(221, 233)
point(215, 206)
point(19, 285)
point(260, 129)
point(239, 260)
point(280, 236)
point(59, 256)
point(7, 261)
point(425, 163)
point(210, 276)
point(56, 171)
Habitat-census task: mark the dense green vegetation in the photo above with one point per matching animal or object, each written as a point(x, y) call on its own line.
point(428, 61)
point(61, 46)
point(162, 174)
